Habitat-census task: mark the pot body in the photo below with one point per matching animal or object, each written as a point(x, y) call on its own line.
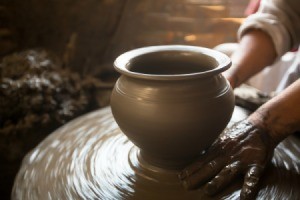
point(172, 120)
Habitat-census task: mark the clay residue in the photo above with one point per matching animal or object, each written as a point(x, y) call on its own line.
point(90, 158)
point(37, 93)
point(251, 98)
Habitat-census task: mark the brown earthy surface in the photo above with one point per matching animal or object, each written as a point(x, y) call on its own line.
point(37, 92)
point(90, 158)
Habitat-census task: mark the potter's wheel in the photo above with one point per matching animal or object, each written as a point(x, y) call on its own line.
point(90, 158)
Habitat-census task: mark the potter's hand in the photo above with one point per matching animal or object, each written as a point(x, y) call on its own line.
point(242, 149)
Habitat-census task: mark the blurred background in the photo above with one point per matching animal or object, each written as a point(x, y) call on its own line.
point(56, 57)
point(99, 30)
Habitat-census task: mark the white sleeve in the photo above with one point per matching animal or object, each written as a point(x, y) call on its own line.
point(278, 18)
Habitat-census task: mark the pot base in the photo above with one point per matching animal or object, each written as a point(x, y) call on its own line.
point(90, 158)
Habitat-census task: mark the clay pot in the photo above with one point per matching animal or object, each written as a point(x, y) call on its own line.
point(172, 101)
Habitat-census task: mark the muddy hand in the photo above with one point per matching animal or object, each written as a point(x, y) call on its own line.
point(244, 149)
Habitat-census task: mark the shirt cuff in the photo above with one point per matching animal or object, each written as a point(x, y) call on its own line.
point(271, 26)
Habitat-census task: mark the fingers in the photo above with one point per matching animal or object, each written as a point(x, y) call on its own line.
point(196, 166)
point(250, 186)
point(227, 175)
point(206, 172)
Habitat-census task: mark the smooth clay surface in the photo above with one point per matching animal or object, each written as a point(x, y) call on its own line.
point(90, 158)
point(172, 96)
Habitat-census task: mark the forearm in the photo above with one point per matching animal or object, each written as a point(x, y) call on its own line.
point(256, 51)
point(281, 115)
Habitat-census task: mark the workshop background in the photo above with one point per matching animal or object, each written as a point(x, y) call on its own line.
point(56, 57)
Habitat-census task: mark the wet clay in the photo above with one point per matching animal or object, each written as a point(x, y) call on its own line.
point(90, 158)
point(172, 96)
point(240, 149)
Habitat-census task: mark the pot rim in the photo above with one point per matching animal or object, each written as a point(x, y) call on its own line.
point(123, 61)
